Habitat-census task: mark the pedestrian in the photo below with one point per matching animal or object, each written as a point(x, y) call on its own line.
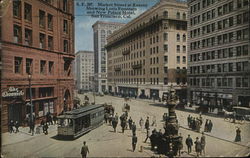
point(197, 125)
point(55, 119)
point(197, 146)
point(134, 141)
point(123, 124)
point(106, 117)
point(114, 123)
point(189, 143)
point(148, 135)
point(116, 117)
point(206, 126)
point(200, 119)
point(130, 122)
point(154, 121)
point(32, 126)
point(46, 128)
point(147, 123)
point(180, 144)
point(189, 120)
point(11, 125)
point(84, 150)
point(238, 135)
point(16, 126)
point(153, 139)
point(210, 126)
point(141, 122)
point(203, 143)
point(133, 128)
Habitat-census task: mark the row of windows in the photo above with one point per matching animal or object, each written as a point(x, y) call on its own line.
point(221, 53)
point(226, 67)
point(221, 39)
point(205, 3)
point(222, 24)
point(28, 39)
point(220, 82)
point(29, 66)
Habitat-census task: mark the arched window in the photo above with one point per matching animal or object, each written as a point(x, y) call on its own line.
point(178, 16)
point(165, 13)
point(178, 37)
point(184, 16)
point(184, 37)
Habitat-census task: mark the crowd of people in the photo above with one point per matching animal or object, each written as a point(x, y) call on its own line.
point(195, 123)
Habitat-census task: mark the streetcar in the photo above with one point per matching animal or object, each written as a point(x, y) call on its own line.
point(75, 123)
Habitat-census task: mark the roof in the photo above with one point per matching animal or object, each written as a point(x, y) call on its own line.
point(240, 107)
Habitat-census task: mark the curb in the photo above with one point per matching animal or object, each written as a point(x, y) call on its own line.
point(215, 137)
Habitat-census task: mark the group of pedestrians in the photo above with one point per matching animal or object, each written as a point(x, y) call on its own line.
point(194, 122)
point(199, 144)
point(208, 126)
point(12, 125)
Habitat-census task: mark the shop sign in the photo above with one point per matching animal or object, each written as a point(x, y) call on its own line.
point(12, 92)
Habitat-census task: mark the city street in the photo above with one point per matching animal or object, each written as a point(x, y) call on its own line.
point(103, 142)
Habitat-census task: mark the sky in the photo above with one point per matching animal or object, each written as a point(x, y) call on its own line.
point(84, 22)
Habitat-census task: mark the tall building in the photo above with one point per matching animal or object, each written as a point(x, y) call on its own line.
point(37, 46)
point(101, 31)
point(84, 70)
point(219, 68)
point(148, 55)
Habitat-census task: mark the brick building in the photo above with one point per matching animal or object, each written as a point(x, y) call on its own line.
point(38, 39)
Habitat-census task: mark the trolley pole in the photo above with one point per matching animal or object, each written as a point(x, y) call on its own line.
point(31, 105)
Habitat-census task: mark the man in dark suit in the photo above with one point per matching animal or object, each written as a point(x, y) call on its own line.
point(134, 141)
point(84, 150)
point(189, 143)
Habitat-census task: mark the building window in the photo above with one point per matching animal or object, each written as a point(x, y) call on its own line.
point(17, 34)
point(165, 69)
point(239, 19)
point(65, 26)
point(65, 5)
point(65, 46)
point(178, 59)
point(166, 59)
point(239, 3)
point(42, 67)
point(50, 42)
point(50, 22)
point(184, 38)
point(220, 11)
point(178, 16)
point(245, 17)
point(183, 59)
point(184, 16)
point(41, 19)
point(178, 37)
point(165, 36)
point(239, 66)
point(245, 49)
point(165, 14)
point(245, 82)
point(27, 12)
point(184, 49)
point(219, 82)
point(165, 47)
point(29, 65)
point(51, 67)
point(178, 48)
point(230, 67)
point(239, 35)
point(42, 41)
point(238, 82)
point(17, 9)
point(28, 37)
point(18, 65)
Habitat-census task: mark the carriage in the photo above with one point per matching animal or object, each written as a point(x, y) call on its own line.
point(75, 123)
point(239, 113)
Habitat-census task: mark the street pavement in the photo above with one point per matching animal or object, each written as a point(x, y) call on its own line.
point(103, 142)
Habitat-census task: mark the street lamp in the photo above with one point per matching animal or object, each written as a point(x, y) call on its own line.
point(31, 105)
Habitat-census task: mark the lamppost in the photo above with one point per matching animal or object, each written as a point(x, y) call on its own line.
point(31, 105)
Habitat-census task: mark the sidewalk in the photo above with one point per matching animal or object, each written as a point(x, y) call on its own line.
point(23, 135)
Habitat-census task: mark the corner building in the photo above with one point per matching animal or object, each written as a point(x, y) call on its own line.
point(218, 53)
point(37, 39)
point(148, 54)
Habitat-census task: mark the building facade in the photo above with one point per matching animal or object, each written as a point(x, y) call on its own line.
point(37, 41)
point(148, 55)
point(84, 70)
point(218, 52)
point(101, 31)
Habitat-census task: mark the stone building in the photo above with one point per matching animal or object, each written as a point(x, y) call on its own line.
point(101, 31)
point(38, 39)
point(218, 52)
point(84, 70)
point(149, 54)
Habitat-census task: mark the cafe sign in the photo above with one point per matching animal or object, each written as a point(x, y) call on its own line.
point(12, 92)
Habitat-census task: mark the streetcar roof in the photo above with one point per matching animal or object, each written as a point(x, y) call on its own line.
point(243, 108)
point(78, 112)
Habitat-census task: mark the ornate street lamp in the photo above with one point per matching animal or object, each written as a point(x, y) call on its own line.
point(171, 138)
